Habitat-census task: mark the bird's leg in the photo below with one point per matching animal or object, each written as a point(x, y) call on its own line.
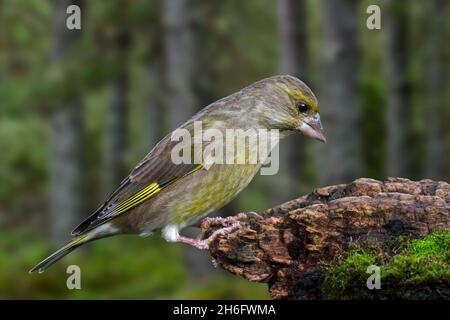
point(171, 234)
point(223, 226)
point(203, 244)
point(199, 244)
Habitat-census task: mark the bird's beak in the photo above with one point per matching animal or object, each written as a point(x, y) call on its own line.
point(312, 128)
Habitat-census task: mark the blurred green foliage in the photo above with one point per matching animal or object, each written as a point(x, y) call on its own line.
point(23, 166)
point(123, 267)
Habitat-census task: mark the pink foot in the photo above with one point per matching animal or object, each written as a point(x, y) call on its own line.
point(199, 244)
point(203, 244)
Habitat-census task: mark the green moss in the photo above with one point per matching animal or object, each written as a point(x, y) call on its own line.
point(417, 269)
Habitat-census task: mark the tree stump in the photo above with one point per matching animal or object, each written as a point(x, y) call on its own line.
point(283, 246)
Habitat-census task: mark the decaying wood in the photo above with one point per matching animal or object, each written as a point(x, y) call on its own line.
point(285, 244)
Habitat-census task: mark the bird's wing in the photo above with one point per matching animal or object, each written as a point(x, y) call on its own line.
point(155, 172)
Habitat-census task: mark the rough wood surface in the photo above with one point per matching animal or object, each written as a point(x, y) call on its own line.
point(284, 245)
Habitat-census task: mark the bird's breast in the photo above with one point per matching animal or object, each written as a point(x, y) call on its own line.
point(209, 190)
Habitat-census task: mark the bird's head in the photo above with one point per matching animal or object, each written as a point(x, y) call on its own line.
point(292, 107)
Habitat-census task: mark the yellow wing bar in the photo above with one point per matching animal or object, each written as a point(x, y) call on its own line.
point(135, 199)
point(137, 196)
point(144, 194)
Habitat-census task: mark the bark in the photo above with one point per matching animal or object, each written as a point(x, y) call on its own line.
point(66, 140)
point(284, 246)
point(340, 109)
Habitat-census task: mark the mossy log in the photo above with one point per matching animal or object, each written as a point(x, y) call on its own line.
point(285, 245)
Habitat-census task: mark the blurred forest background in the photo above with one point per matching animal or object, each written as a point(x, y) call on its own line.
point(78, 109)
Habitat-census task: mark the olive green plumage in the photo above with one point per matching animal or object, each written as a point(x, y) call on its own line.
point(159, 195)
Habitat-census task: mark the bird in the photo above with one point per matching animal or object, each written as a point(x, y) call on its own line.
point(160, 196)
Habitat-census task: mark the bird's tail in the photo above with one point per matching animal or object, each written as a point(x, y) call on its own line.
point(68, 248)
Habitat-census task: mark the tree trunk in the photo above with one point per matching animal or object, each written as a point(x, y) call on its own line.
point(340, 160)
point(155, 123)
point(286, 246)
point(184, 59)
point(292, 18)
point(401, 154)
point(117, 119)
point(437, 87)
point(186, 84)
point(66, 184)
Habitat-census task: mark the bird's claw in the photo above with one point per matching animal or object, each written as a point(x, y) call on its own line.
point(253, 214)
point(221, 232)
point(203, 244)
point(221, 226)
point(209, 222)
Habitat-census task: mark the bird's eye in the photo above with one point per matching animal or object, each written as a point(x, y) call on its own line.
point(302, 107)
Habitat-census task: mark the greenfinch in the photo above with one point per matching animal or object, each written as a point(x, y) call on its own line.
point(160, 195)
